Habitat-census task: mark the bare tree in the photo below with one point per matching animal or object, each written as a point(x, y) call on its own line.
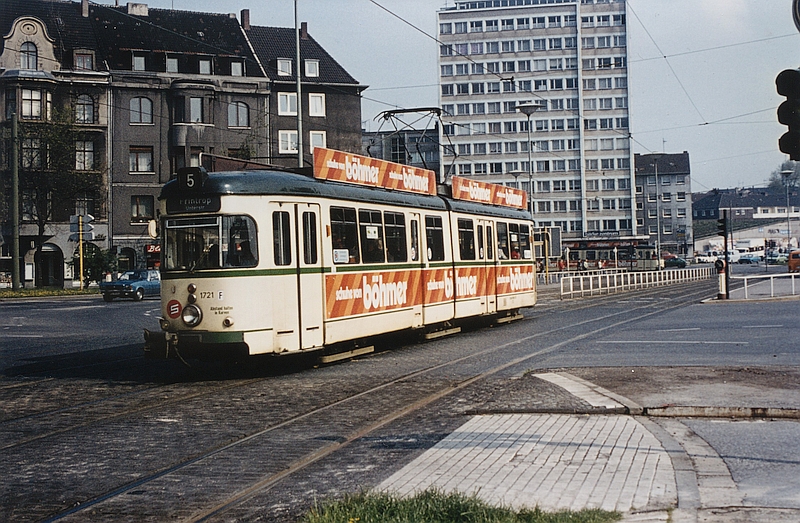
point(55, 171)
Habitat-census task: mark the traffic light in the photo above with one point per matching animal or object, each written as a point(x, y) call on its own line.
point(722, 226)
point(788, 84)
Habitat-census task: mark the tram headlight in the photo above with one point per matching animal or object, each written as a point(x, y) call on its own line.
point(164, 324)
point(192, 315)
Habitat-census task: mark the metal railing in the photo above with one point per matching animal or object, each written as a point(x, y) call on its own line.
point(590, 284)
point(770, 285)
point(554, 277)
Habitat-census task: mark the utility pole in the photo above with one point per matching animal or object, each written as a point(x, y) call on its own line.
point(15, 276)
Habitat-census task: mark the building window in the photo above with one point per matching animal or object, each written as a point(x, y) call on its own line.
point(142, 208)
point(141, 160)
point(195, 110)
point(28, 56)
point(312, 68)
point(84, 109)
point(31, 104)
point(204, 66)
point(238, 115)
point(237, 69)
point(284, 67)
point(31, 153)
point(318, 139)
point(287, 142)
point(141, 110)
point(172, 64)
point(316, 104)
point(287, 104)
point(138, 62)
point(84, 61)
point(84, 155)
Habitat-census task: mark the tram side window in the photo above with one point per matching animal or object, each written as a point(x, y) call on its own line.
point(309, 238)
point(281, 238)
point(434, 234)
point(396, 250)
point(466, 239)
point(371, 228)
point(520, 240)
point(239, 242)
point(480, 242)
point(502, 241)
point(344, 235)
point(489, 243)
point(525, 241)
point(414, 240)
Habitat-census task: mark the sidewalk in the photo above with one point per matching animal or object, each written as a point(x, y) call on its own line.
point(650, 469)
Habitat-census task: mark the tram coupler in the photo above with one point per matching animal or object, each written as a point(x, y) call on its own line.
point(156, 345)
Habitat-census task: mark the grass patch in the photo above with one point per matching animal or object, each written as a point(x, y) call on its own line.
point(45, 292)
point(432, 506)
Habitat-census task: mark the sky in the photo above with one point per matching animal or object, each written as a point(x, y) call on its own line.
point(701, 72)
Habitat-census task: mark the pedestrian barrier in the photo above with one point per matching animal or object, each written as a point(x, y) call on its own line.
point(755, 287)
point(590, 284)
point(554, 277)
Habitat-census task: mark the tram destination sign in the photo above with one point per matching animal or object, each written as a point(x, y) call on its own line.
point(199, 203)
point(339, 166)
point(489, 193)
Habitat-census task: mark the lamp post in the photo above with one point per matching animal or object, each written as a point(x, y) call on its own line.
point(785, 175)
point(528, 109)
point(658, 217)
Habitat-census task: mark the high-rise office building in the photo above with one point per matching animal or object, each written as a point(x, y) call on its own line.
point(534, 93)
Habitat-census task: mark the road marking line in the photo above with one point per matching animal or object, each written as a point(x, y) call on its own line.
point(679, 330)
point(696, 342)
point(761, 326)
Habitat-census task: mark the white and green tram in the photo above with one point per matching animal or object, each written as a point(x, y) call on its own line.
point(273, 262)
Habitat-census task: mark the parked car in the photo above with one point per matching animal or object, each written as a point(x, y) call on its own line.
point(132, 284)
point(776, 258)
point(675, 262)
point(749, 258)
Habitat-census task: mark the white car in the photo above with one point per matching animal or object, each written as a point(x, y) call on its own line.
point(705, 258)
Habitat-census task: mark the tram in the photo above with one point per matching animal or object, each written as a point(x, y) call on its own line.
point(275, 262)
point(631, 253)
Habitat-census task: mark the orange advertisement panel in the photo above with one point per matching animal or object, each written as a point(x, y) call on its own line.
point(489, 193)
point(514, 279)
point(351, 294)
point(345, 167)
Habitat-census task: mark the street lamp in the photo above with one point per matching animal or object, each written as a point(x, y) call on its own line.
point(528, 109)
point(658, 217)
point(785, 175)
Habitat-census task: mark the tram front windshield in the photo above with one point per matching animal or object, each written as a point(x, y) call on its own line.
point(209, 242)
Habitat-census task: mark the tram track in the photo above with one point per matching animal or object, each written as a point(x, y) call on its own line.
point(286, 468)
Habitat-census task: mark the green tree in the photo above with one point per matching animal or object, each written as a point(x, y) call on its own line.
point(96, 262)
point(50, 182)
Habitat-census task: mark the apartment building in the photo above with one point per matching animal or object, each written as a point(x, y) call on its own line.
point(664, 200)
point(151, 91)
point(534, 94)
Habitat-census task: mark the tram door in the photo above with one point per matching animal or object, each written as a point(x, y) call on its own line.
point(487, 255)
point(298, 289)
point(310, 282)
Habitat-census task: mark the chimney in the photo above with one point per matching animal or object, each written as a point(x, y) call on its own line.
point(304, 30)
point(246, 19)
point(137, 9)
point(85, 8)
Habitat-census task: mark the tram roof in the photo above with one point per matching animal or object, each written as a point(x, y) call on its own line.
point(283, 183)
